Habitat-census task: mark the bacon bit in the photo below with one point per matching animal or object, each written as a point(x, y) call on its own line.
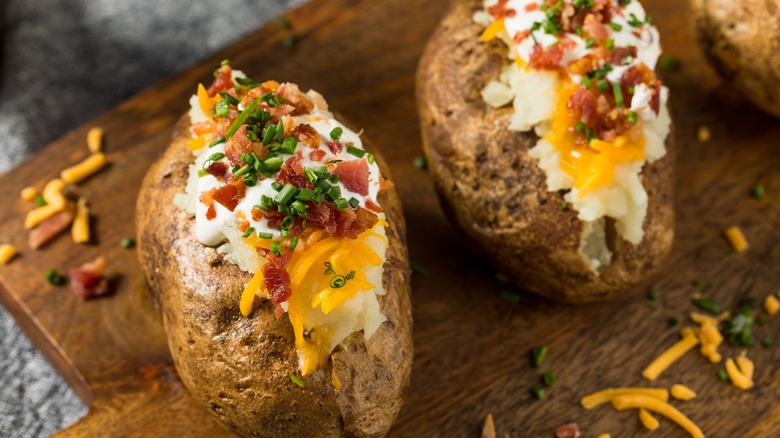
point(317, 155)
point(230, 194)
point(50, 228)
point(549, 59)
point(384, 184)
point(620, 53)
point(530, 7)
point(289, 123)
point(243, 226)
point(570, 430)
point(595, 28)
point(87, 281)
point(204, 127)
point(306, 135)
point(222, 82)
point(257, 214)
point(292, 94)
point(500, 10)
point(335, 147)
point(372, 206)
point(521, 36)
point(218, 169)
point(354, 175)
point(211, 213)
point(277, 280)
point(292, 172)
point(237, 145)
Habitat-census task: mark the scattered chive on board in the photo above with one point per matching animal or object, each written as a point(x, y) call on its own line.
point(538, 354)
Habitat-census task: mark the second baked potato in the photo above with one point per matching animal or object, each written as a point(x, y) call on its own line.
point(484, 109)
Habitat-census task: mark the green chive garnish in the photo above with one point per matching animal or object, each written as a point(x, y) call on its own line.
point(632, 118)
point(618, 93)
point(707, 305)
point(127, 242)
point(758, 191)
point(420, 163)
point(284, 195)
point(537, 355)
point(297, 380)
point(766, 342)
point(53, 277)
point(602, 85)
point(216, 141)
point(335, 134)
point(549, 378)
point(672, 321)
point(590, 42)
point(723, 375)
point(250, 108)
point(265, 235)
point(248, 232)
point(289, 41)
point(352, 150)
point(511, 296)
point(537, 392)
point(282, 22)
point(40, 201)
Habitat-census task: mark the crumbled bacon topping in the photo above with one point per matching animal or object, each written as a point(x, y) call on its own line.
point(87, 281)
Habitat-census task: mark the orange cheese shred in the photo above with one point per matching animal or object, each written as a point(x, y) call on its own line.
point(492, 31)
point(624, 402)
point(671, 355)
point(605, 396)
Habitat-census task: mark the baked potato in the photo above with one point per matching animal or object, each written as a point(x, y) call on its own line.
point(519, 163)
point(741, 39)
point(233, 296)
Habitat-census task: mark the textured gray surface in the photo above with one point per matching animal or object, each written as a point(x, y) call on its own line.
point(62, 64)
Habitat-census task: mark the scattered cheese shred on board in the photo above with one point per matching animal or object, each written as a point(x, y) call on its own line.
point(55, 203)
point(605, 396)
point(489, 428)
point(604, 435)
point(86, 168)
point(671, 355)
point(95, 140)
point(739, 379)
point(771, 305)
point(29, 193)
point(745, 365)
point(7, 252)
point(648, 421)
point(624, 402)
point(682, 392)
point(737, 239)
point(80, 228)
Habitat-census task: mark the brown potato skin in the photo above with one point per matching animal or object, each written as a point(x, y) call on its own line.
point(496, 194)
point(239, 368)
point(741, 39)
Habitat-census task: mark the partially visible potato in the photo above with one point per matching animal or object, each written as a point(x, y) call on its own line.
point(741, 38)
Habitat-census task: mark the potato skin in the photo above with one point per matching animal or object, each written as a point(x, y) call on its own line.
point(239, 368)
point(741, 39)
point(496, 194)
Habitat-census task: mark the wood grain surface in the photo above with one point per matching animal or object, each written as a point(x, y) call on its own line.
point(471, 347)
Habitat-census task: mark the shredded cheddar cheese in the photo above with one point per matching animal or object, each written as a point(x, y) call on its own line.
point(55, 203)
point(80, 228)
point(95, 140)
point(682, 392)
point(737, 239)
point(196, 143)
point(624, 402)
point(604, 435)
point(709, 336)
point(7, 252)
point(647, 419)
point(29, 193)
point(86, 168)
point(605, 396)
point(206, 103)
point(671, 355)
point(739, 379)
point(746, 366)
point(492, 31)
point(771, 305)
point(254, 287)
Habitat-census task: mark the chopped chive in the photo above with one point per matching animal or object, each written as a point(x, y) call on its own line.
point(289, 41)
point(723, 375)
point(230, 99)
point(284, 195)
point(352, 150)
point(549, 378)
point(248, 232)
point(293, 243)
point(707, 305)
point(216, 156)
point(420, 163)
point(282, 22)
point(250, 108)
point(537, 355)
point(616, 27)
point(758, 191)
point(418, 269)
point(265, 235)
point(602, 85)
point(502, 278)
point(672, 321)
point(127, 242)
point(268, 134)
point(565, 206)
point(202, 173)
point(225, 62)
point(53, 277)
point(370, 158)
point(276, 248)
point(242, 171)
point(216, 141)
point(354, 203)
point(279, 132)
point(40, 201)
point(511, 296)
point(696, 282)
point(610, 44)
point(335, 134)
point(586, 82)
point(289, 144)
point(590, 42)
point(341, 203)
point(668, 62)
point(297, 380)
point(618, 93)
point(245, 81)
point(632, 118)
point(578, 30)
point(579, 128)
point(537, 392)
point(766, 342)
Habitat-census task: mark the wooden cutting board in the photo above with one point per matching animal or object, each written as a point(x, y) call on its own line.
point(471, 347)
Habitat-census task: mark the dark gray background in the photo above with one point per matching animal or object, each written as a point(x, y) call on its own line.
point(63, 62)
